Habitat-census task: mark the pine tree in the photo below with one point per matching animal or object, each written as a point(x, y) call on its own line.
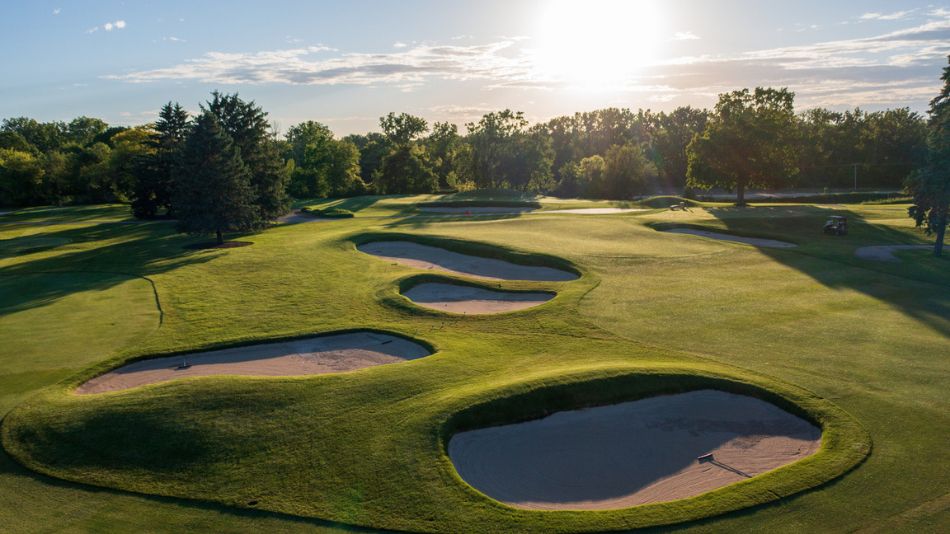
point(154, 187)
point(247, 125)
point(213, 185)
point(930, 185)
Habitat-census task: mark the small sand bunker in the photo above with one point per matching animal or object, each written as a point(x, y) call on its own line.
point(631, 453)
point(473, 300)
point(596, 211)
point(754, 241)
point(476, 210)
point(310, 356)
point(427, 257)
point(885, 252)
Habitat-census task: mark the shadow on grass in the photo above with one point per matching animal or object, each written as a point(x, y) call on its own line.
point(420, 219)
point(920, 289)
point(138, 251)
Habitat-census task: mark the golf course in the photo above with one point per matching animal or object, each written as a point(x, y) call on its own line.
point(476, 363)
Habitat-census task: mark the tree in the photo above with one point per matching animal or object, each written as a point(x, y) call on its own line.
point(20, 178)
point(445, 149)
point(323, 166)
point(627, 172)
point(246, 123)
point(373, 148)
point(403, 129)
point(128, 147)
point(748, 142)
point(155, 170)
point(404, 170)
point(214, 192)
point(930, 185)
point(672, 134)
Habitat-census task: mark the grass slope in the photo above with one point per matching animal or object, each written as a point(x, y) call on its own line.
point(364, 447)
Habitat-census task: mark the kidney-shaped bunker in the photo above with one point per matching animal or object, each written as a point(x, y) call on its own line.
point(334, 353)
point(429, 257)
point(470, 300)
point(651, 450)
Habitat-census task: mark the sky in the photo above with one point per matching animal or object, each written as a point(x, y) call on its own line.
point(346, 63)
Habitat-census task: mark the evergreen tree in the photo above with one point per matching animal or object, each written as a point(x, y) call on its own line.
point(154, 187)
point(213, 192)
point(246, 124)
point(930, 185)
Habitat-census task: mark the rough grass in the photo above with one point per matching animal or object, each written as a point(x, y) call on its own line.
point(814, 325)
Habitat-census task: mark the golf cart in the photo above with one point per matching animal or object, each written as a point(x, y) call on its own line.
point(836, 225)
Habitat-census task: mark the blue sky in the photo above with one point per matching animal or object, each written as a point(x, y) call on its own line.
point(346, 63)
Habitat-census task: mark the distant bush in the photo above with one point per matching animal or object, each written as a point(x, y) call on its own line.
point(480, 204)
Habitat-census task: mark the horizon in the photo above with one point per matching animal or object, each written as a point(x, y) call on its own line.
point(454, 62)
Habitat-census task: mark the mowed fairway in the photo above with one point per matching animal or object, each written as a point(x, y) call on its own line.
point(818, 325)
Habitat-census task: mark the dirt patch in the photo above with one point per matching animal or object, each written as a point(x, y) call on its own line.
point(310, 356)
point(885, 252)
point(597, 211)
point(471, 300)
point(754, 241)
point(429, 258)
point(215, 244)
point(632, 453)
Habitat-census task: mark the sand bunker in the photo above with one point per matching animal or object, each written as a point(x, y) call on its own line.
point(473, 300)
point(427, 257)
point(885, 252)
point(754, 241)
point(309, 356)
point(476, 210)
point(631, 453)
point(596, 211)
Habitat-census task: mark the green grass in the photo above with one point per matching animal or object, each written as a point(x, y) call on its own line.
point(858, 347)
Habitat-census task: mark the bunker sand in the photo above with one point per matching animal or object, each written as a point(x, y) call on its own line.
point(434, 258)
point(631, 453)
point(754, 241)
point(473, 300)
point(310, 356)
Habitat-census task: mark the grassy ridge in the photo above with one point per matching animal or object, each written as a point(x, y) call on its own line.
point(366, 447)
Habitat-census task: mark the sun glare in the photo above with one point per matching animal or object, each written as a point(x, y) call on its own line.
point(597, 44)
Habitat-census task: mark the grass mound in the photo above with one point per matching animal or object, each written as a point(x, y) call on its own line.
point(329, 213)
point(665, 201)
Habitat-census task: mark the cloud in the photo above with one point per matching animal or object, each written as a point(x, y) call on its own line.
point(685, 36)
point(173, 39)
point(57, 11)
point(108, 26)
point(898, 67)
point(399, 44)
point(897, 15)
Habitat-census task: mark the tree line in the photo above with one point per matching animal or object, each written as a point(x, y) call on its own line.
point(182, 166)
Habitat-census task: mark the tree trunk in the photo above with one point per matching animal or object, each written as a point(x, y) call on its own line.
point(941, 229)
point(740, 194)
point(220, 237)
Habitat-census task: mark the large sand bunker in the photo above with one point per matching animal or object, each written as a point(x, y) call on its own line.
point(471, 300)
point(631, 453)
point(754, 241)
point(475, 210)
point(885, 252)
point(597, 211)
point(310, 356)
point(428, 257)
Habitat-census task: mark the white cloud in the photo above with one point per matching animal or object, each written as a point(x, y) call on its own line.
point(399, 44)
point(900, 67)
point(897, 15)
point(57, 11)
point(173, 39)
point(685, 36)
point(108, 26)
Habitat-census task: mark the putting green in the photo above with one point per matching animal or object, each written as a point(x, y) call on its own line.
point(369, 448)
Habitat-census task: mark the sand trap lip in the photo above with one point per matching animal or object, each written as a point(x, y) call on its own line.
point(885, 252)
point(472, 300)
point(596, 211)
point(754, 241)
point(631, 453)
point(334, 353)
point(429, 258)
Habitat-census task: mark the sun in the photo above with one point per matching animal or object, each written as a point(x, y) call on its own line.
point(597, 44)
